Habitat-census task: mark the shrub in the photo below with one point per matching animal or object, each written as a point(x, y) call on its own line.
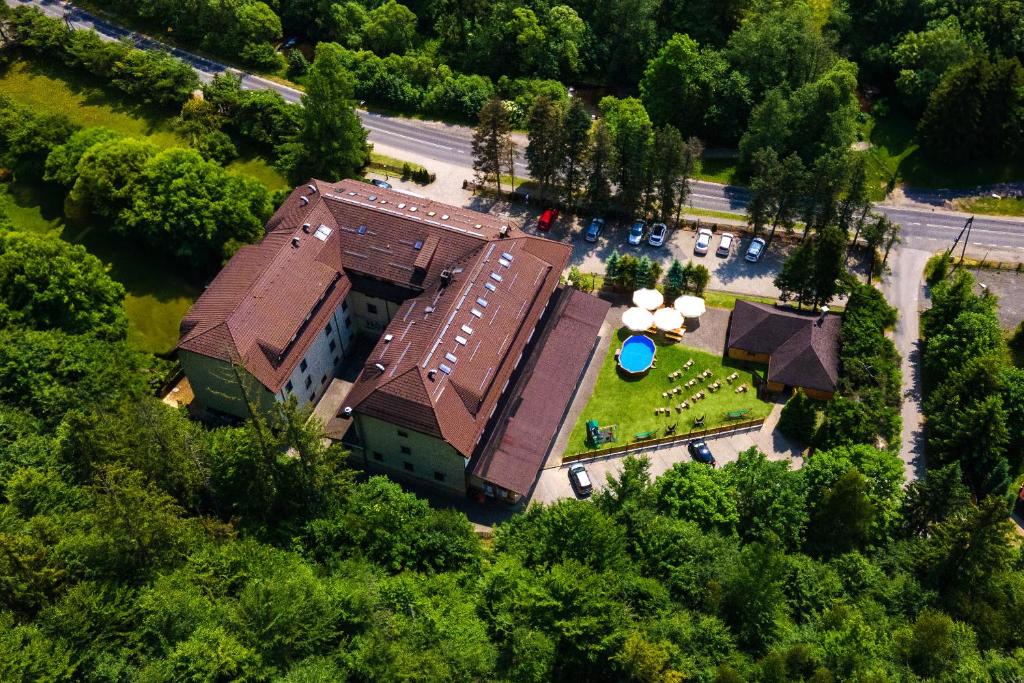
point(937, 268)
point(799, 417)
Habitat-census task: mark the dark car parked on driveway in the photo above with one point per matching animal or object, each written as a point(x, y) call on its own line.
point(594, 230)
point(580, 481)
point(700, 452)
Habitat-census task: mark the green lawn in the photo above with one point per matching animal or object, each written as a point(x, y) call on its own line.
point(62, 91)
point(630, 403)
point(894, 153)
point(718, 171)
point(1007, 206)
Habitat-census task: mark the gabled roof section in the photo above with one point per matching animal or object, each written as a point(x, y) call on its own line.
point(803, 349)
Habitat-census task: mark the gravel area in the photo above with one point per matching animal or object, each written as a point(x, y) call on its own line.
point(1008, 285)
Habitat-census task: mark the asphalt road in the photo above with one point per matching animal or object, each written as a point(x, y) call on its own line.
point(922, 228)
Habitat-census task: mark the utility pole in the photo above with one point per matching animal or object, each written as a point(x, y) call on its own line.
point(966, 238)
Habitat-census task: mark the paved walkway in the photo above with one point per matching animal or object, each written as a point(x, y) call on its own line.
point(905, 292)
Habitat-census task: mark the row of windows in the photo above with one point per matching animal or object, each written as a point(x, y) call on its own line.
point(408, 466)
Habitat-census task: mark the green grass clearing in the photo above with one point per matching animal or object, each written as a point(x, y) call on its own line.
point(728, 300)
point(1007, 206)
point(55, 90)
point(895, 155)
point(713, 213)
point(718, 171)
point(629, 403)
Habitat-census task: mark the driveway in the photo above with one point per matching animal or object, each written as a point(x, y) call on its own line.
point(906, 293)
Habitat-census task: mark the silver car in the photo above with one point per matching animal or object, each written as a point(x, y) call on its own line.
point(703, 241)
point(725, 245)
point(755, 250)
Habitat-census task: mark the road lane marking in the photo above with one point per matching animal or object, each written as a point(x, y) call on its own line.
point(417, 140)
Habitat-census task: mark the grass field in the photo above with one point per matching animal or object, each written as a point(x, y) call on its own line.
point(894, 154)
point(1008, 206)
point(718, 171)
point(54, 90)
point(630, 403)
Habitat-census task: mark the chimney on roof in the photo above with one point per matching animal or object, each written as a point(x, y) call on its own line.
point(295, 242)
point(821, 318)
point(503, 231)
point(431, 374)
point(446, 277)
point(346, 412)
point(305, 228)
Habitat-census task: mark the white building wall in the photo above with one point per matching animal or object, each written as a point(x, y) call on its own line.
point(312, 375)
point(370, 315)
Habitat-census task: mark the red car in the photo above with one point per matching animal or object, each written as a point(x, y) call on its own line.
point(547, 219)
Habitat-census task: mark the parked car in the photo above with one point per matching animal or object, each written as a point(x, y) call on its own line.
point(594, 230)
point(580, 481)
point(703, 241)
point(725, 244)
point(636, 231)
point(547, 219)
point(755, 250)
point(700, 452)
point(659, 231)
point(383, 184)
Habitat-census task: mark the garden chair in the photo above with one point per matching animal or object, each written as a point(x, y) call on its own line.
point(699, 421)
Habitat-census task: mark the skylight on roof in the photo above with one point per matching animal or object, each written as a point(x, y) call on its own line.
point(495, 277)
point(444, 216)
point(489, 286)
point(361, 230)
point(431, 213)
point(322, 233)
point(482, 302)
point(461, 340)
point(372, 197)
point(467, 329)
point(412, 208)
point(505, 262)
point(445, 369)
point(477, 312)
point(418, 245)
point(401, 205)
point(507, 256)
point(451, 357)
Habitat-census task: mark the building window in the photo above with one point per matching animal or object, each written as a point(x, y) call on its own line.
point(408, 466)
point(311, 397)
point(333, 345)
point(371, 308)
point(288, 387)
point(336, 360)
point(439, 476)
point(406, 450)
point(303, 365)
point(403, 434)
point(309, 382)
point(328, 330)
point(344, 305)
point(323, 380)
point(346, 321)
point(378, 456)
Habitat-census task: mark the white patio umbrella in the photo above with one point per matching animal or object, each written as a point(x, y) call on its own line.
point(668, 319)
point(690, 306)
point(637, 319)
point(648, 298)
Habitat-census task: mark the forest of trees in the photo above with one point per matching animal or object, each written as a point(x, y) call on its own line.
point(746, 71)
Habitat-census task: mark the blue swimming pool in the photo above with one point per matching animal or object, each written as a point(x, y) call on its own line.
point(637, 354)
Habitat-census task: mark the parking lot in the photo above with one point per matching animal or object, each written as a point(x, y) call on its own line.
point(731, 273)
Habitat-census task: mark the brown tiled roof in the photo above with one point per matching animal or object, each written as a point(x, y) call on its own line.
point(521, 441)
point(265, 307)
point(454, 347)
point(803, 349)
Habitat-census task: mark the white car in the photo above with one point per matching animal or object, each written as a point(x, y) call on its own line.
point(725, 245)
point(658, 233)
point(703, 241)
